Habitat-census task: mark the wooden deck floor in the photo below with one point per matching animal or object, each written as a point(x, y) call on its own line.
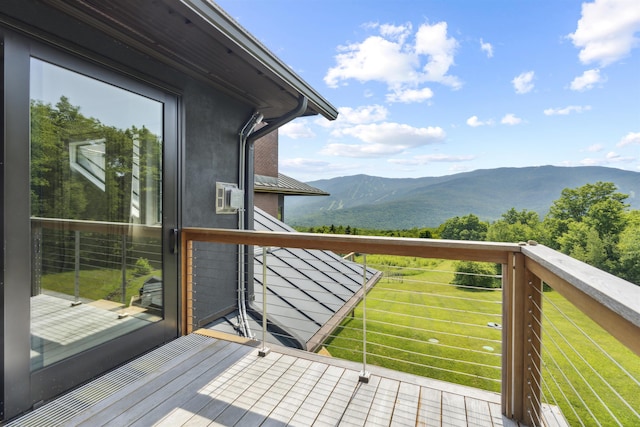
point(208, 381)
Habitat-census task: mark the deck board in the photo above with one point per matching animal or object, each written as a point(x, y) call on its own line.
point(219, 382)
point(383, 403)
point(259, 388)
point(312, 406)
point(454, 411)
point(290, 403)
point(478, 413)
point(430, 407)
point(262, 406)
point(360, 403)
point(405, 411)
point(339, 397)
point(223, 393)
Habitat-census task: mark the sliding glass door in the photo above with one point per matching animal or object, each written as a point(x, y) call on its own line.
point(96, 212)
point(91, 277)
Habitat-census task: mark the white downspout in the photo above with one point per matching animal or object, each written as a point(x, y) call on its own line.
point(248, 136)
point(251, 124)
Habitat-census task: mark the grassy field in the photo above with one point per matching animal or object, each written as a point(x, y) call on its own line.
point(417, 322)
point(97, 284)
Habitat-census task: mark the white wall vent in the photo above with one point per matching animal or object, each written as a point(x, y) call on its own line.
point(229, 198)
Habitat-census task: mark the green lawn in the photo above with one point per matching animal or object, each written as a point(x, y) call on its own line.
point(97, 284)
point(413, 307)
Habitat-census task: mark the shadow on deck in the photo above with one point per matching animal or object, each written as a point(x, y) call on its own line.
point(201, 380)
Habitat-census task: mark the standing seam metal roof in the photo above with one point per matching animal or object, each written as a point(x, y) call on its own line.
point(308, 292)
point(305, 288)
point(284, 184)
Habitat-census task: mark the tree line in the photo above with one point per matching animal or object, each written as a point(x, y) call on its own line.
point(592, 223)
point(60, 191)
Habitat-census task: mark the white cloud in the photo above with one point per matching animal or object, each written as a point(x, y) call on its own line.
point(486, 47)
point(410, 95)
point(396, 32)
point(630, 138)
point(375, 59)
point(606, 31)
point(567, 110)
point(382, 139)
point(595, 148)
point(296, 130)
point(362, 114)
point(361, 150)
point(390, 59)
point(523, 83)
point(304, 164)
point(348, 116)
point(609, 159)
point(511, 119)
point(432, 40)
point(389, 133)
point(473, 121)
point(587, 80)
point(431, 158)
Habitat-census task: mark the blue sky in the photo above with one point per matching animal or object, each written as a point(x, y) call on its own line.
point(431, 88)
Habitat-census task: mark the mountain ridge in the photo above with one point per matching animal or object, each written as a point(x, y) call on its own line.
point(366, 201)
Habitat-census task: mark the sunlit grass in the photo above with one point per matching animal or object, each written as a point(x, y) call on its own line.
point(422, 325)
point(416, 305)
point(97, 284)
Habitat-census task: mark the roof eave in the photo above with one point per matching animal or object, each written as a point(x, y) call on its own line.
point(250, 46)
point(288, 192)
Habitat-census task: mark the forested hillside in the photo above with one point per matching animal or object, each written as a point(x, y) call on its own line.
point(387, 203)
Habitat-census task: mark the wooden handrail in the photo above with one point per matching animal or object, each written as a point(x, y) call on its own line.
point(427, 248)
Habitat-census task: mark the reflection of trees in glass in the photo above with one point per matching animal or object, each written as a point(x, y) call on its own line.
point(58, 191)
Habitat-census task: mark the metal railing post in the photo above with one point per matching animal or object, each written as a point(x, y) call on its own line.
point(76, 284)
point(124, 269)
point(364, 375)
point(264, 350)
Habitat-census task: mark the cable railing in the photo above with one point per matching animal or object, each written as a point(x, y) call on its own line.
point(419, 321)
point(530, 334)
point(584, 371)
point(70, 257)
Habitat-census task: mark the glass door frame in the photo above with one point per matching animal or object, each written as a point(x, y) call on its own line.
point(23, 388)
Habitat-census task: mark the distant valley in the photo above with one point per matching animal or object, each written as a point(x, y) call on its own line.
point(397, 203)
